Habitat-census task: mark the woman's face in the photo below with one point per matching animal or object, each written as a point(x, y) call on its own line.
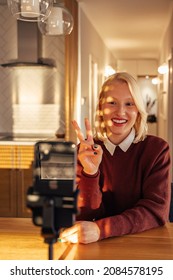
point(119, 111)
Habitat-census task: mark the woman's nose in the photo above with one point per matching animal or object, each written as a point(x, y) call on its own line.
point(120, 109)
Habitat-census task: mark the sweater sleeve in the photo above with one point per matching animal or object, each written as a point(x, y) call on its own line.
point(90, 197)
point(152, 209)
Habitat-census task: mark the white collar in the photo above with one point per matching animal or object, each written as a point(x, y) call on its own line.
point(124, 145)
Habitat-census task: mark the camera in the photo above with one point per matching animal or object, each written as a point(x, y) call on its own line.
point(53, 196)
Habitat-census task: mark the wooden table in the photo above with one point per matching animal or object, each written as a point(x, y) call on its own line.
point(21, 240)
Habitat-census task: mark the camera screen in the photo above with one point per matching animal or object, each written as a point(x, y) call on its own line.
point(59, 166)
point(57, 161)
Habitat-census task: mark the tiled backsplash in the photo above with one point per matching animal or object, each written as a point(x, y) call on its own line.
point(32, 103)
point(29, 119)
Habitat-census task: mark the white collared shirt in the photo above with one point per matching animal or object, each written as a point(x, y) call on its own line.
point(124, 145)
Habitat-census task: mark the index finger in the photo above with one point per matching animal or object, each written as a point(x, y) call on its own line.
point(78, 131)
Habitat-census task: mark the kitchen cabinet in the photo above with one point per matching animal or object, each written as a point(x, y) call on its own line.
point(15, 177)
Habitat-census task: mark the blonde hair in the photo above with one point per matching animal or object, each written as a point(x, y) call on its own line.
point(140, 125)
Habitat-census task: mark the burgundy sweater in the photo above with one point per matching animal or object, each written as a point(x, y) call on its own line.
point(131, 191)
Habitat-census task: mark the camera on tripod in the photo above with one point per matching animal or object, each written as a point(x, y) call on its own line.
point(53, 196)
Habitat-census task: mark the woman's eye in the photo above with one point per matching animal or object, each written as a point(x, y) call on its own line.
point(112, 102)
point(130, 104)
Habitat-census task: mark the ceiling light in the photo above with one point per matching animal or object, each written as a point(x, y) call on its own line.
point(60, 21)
point(30, 10)
point(163, 69)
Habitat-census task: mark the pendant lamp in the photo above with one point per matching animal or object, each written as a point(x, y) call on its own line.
point(30, 10)
point(60, 21)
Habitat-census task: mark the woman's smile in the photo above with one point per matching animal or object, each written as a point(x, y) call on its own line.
point(118, 121)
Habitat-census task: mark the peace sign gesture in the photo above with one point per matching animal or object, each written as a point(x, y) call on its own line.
point(89, 154)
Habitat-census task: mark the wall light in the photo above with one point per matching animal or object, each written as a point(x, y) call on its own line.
point(163, 69)
point(30, 10)
point(155, 81)
point(109, 70)
point(60, 21)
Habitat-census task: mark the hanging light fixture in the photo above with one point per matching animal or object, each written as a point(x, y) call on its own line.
point(30, 10)
point(60, 21)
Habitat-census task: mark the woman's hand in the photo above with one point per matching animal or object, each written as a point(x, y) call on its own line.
point(82, 232)
point(89, 154)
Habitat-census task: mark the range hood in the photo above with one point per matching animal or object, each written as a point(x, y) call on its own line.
point(29, 47)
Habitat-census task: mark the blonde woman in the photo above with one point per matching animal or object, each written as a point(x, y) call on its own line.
point(123, 173)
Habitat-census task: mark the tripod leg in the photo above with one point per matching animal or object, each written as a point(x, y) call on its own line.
point(50, 251)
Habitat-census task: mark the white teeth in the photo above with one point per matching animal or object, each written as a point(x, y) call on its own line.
point(119, 121)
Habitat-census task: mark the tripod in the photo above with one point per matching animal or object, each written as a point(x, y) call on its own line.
point(55, 213)
point(49, 233)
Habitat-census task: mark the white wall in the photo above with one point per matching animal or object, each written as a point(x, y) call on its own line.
point(165, 55)
point(140, 67)
point(165, 128)
point(92, 52)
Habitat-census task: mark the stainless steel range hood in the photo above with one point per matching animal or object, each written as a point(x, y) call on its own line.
point(29, 47)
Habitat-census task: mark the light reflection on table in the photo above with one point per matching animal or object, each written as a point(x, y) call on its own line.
point(21, 240)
